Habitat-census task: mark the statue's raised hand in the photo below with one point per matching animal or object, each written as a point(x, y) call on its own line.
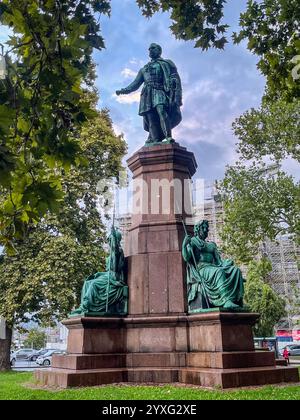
point(121, 92)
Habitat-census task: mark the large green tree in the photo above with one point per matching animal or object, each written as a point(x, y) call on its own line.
point(261, 298)
point(42, 103)
point(271, 131)
point(42, 280)
point(262, 202)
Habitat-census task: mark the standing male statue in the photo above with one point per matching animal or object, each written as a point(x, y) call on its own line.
point(161, 96)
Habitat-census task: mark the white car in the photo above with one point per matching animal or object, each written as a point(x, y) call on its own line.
point(46, 359)
point(22, 354)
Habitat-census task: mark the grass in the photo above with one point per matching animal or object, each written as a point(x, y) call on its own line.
point(20, 386)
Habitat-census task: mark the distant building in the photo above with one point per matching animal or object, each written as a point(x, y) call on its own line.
point(57, 337)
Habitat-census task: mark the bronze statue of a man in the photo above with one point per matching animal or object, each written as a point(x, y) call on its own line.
point(161, 96)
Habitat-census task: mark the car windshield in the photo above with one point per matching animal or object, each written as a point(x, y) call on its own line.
point(50, 352)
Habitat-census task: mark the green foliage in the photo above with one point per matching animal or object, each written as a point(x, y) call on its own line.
point(14, 386)
point(272, 30)
point(260, 202)
point(42, 103)
point(273, 130)
point(198, 20)
point(45, 275)
point(36, 339)
point(261, 298)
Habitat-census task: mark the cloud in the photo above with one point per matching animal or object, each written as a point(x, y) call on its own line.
point(136, 62)
point(127, 99)
point(128, 73)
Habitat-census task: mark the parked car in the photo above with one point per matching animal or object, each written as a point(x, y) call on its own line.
point(37, 353)
point(293, 349)
point(46, 359)
point(22, 354)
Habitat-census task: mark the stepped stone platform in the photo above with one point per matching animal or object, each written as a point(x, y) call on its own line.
point(210, 349)
point(158, 342)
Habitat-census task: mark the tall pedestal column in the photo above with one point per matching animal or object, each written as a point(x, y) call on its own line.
point(162, 197)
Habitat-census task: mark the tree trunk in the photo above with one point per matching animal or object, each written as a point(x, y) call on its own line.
point(5, 350)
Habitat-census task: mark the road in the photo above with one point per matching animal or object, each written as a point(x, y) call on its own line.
point(25, 365)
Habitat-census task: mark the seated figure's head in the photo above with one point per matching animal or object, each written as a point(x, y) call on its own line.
point(155, 51)
point(201, 229)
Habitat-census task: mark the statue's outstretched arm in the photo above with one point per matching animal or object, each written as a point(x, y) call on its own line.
point(139, 80)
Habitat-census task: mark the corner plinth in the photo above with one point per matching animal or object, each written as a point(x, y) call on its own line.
point(163, 157)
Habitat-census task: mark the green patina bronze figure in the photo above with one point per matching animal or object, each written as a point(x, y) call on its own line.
point(161, 96)
point(106, 293)
point(212, 282)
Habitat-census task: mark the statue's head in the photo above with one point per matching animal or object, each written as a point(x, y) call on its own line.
point(201, 229)
point(155, 51)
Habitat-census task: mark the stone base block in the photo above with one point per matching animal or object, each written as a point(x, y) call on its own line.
point(63, 378)
point(215, 360)
point(234, 378)
point(206, 332)
point(211, 378)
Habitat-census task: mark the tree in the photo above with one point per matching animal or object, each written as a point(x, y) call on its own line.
point(42, 280)
point(42, 103)
point(259, 202)
point(271, 131)
point(261, 298)
point(36, 339)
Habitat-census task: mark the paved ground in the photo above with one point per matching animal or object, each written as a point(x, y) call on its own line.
point(25, 365)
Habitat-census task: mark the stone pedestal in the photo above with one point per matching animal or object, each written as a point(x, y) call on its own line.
point(162, 197)
point(158, 342)
point(211, 349)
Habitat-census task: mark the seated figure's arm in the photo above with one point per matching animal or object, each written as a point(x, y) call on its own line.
point(217, 256)
point(187, 249)
point(139, 80)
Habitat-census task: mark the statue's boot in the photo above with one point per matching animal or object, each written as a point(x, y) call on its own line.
point(230, 305)
point(168, 140)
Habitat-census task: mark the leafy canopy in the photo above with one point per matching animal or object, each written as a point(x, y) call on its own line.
point(42, 103)
point(273, 130)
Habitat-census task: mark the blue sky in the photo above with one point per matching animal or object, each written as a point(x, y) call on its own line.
point(218, 86)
